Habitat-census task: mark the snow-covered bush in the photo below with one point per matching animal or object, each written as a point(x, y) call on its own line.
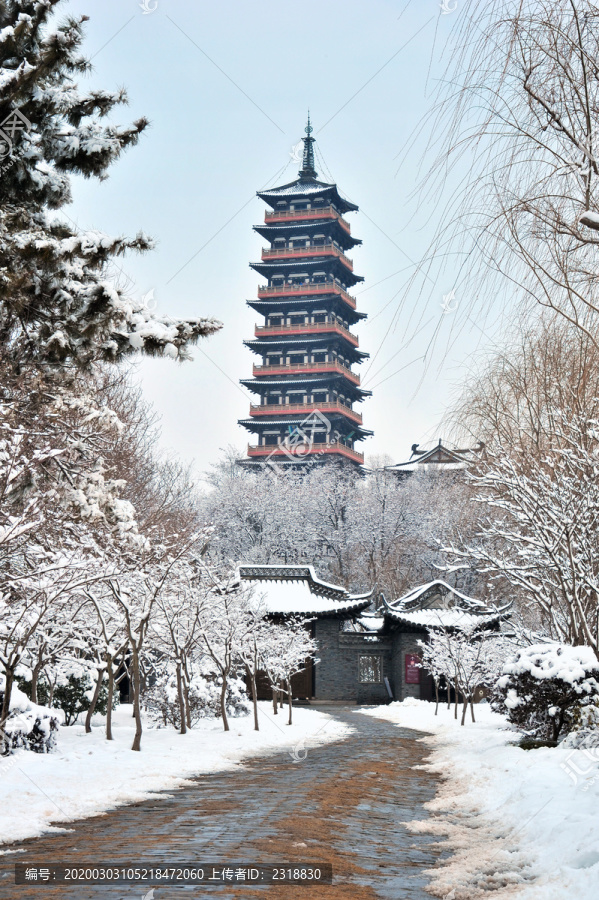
point(162, 703)
point(72, 694)
point(545, 688)
point(28, 726)
point(585, 728)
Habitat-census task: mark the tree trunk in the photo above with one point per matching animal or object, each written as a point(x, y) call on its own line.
point(455, 685)
point(436, 696)
point(186, 693)
point(136, 701)
point(92, 706)
point(275, 703)
point(35, 675)
point(182, 728)
point(464, 711)
point(290, 701)
point(9, 674)
point(133, 682)
point(110, 697)
point(187, 704)
point(472, 710)
point(223, 704)
point(252, 676)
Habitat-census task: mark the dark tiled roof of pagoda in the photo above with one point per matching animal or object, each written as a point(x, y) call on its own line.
point(263, 306)
point(258, 384)
point(260, 345)
point(269, 231)
point(308, 188)
point(258, 424)
point(269, 264)
point(326, 263)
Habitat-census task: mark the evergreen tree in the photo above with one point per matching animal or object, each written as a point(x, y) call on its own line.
point(57, 306)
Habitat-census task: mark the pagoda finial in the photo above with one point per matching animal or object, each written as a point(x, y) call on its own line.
point(307, 170)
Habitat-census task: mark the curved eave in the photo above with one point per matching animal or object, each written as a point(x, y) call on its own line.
point(452, 618)
point(267, 268)
point(305, 189)
point(269, 232)
point(270, 341)
point(340, 610)
point(408, 602)
point(257, 386)
point(257, 425)
point(265, 306)
point(469, 620)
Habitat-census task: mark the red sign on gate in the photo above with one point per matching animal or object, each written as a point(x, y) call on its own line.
point(412, 668)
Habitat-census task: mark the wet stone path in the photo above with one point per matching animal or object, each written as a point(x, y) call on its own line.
point(344, 804)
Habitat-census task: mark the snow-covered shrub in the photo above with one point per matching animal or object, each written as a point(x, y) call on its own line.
point(28, 726)
point(238, 702)
point(585, 728)
point(162, 702)
point(72, 694)
point(545, 688)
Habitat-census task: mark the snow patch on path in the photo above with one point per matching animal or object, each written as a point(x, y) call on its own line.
point(520, 823)
point(88, 775)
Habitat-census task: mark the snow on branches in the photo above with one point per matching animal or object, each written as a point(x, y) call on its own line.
point(57, 306)
point(540, 531)
point(544, 688)
point(464, 659)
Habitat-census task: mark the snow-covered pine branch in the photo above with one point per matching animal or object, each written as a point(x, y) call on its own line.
point(74, 314)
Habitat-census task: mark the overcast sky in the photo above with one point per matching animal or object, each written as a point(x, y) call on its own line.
point(226, 87)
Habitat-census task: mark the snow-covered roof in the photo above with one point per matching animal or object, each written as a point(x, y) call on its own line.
point(297, 590)
point(436, 595)
point(371, 622)
point(311, 225)
point(438, 604)
point(305, 227)
point(267, 382)
point(298, 187)
point(307, 187)
point(426, 467)
point(275, 340)
point(326, 262)
point(443, 618)
point(308, 262)
point(266, 420)
point(283, 301)
point(438, 458)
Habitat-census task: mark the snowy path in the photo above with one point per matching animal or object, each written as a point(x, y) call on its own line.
point(343, 804)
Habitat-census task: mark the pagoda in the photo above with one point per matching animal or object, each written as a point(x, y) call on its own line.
point(303, 378)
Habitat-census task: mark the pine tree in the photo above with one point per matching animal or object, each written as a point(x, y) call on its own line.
point(57, 305)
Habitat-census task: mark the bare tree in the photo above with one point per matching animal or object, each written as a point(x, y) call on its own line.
point(539, 529)
point(517, 116)
point(517, 395)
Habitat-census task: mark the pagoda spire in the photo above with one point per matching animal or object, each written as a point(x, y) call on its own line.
point(307, 170)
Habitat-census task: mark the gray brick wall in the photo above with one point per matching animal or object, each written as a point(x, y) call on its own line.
point(337, 674)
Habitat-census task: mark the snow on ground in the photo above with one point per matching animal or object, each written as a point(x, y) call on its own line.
point(88, 775)
point(520, 823)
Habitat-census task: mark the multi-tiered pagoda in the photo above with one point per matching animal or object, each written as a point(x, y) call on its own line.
point(303, 378)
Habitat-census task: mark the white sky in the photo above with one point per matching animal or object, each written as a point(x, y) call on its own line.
point(226, 87)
